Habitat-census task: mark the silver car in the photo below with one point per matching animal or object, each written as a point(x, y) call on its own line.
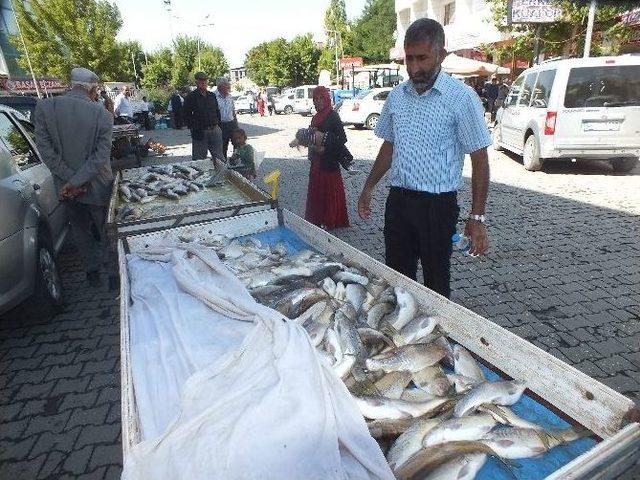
point(33, 223)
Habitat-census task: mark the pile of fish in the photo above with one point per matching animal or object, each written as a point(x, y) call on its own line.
point(169, 181)
point(426, 400)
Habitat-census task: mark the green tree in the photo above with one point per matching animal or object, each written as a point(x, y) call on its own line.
point(129, 52)
point(371, 35)
point(565, 37)
point(212, 62)
point(157, 73)
point(303, 60)
point(62, 34)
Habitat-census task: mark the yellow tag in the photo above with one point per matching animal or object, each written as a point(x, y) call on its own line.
point(273, 179)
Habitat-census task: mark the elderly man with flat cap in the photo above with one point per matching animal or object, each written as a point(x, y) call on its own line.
point(202, 115)
point(73, 134)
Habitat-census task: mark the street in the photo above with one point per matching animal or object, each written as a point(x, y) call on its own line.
point(562, 272)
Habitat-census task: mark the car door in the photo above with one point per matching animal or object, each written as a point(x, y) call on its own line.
point(18, 136)
point(539, 107)
point(510, 113)
point(300, 103)
point(524, 116)
point(378, 101)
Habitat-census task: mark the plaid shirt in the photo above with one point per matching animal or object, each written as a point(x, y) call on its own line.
point(431, 133)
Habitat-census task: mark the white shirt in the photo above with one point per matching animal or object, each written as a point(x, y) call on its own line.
point(226, 106)
point(122, 106)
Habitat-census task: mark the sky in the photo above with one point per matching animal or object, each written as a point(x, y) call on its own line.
point(237, 26)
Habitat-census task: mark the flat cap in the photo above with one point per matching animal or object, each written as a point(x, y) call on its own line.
point(201, 76)
point(83, 76)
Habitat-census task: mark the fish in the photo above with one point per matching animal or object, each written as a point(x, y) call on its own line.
point(377, 407)
point(461, 383)
point(501, 393)
point(350, 340)
point(416, 330)
point(410, 441)
point(312, 312)
point(433, 380)
point(373, 336)
point(405, 311)
point(427, 460)
point(392, 385)
point(388, 295)
point(464, 467)
point(347, 276)
point(279, 249)
point(317, 326)
point(148, 199)
point(515, 442)
point(169, 194)
point(416, 395)
point(465, 364)
point(329, 286)
point(343, 367)
point(332, 345)
point(124, 190)
point(231, 251)
point(355, 294)
point(341, 291)
point(369, 301)
point(470, 427)
point(506, 416)
point(297, 302)
point(409, 358)
point(387, 427)
point(377, 313)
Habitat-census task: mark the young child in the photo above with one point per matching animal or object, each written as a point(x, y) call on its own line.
point(242, 159)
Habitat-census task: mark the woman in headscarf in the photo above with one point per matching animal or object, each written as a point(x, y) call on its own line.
point(326, 202)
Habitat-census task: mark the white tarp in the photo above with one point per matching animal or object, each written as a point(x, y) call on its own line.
point(454, 64)
point(231, 390)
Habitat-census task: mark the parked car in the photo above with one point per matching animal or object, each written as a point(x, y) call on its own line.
point(576, 108)
point(285, 102)
point(303, 103)
point(25, 104)
point(365, 108)
point(243, 105)
point(33, 223)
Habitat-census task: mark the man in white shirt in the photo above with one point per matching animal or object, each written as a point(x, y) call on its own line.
point(146, 108)
point(228, 121)
point(123, 107)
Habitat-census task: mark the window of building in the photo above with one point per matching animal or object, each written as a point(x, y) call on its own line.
point(449, 13)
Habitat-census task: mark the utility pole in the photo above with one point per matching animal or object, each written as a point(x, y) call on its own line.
point(587, 41)
point(135, 70)
point(26, 53)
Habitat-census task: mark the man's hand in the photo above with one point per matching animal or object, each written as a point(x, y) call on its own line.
point(364, 204)
point(477, 232)
point(294, 143)
point(68, 191)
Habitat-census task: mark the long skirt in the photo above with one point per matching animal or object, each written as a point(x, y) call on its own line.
point(326, 201)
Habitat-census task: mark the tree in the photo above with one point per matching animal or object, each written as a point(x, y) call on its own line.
point(336, 29)
point(371, 35)
point(567, 36)
point(62, 34)
point(212, 62)
point(129, 52)
point(157, 73)
point(303, 60)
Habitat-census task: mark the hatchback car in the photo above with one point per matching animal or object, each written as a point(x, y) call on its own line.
point(285, 102)
point(33, 223)
point(243, 104)
point(586, 108)
point(365, 108)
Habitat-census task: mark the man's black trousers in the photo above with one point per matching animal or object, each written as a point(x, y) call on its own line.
point(419, 225)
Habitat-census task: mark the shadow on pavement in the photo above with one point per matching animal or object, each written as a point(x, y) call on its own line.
point(254, 131)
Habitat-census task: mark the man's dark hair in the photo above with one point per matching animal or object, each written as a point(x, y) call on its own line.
point(425, 29)
point(240, 131)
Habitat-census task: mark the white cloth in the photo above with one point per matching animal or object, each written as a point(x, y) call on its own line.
point(122, 106)
point(267, 408)
point(226, 106)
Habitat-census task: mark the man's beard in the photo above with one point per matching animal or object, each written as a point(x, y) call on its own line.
point(425, 80)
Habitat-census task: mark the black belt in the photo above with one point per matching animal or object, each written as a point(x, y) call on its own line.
point(405, 192)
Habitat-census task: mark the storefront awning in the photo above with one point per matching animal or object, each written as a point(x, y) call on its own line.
point(457, 65)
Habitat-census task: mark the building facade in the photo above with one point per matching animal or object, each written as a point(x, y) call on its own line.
point(467, 24)
point(237, 74)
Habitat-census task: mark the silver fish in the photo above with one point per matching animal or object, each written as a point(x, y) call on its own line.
point(461, 383)
point(377, 313)
point(417, 329)
point(464, 467)
point(506, 416)
point(376, 407)
point(355, 294)
point(373, 336)
point(298, 301)
point(317, 326)
point(470, 427)
point(465, 364)
point(350, 341)
point(406, 309)
point(433, 380)
point(392, 385)
point(410, 442)
point(333, 346)
point(341, 291)
point(148, 199)
point(502, 393)
point(329, 286)
point(515, 442)
point(408, 358)
point(311, 313)
point(416, 395)
point(351, 277)
point(388, 427)
point(231, 251)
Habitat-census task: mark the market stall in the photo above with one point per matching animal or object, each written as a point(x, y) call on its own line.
point(556, 396)
point(456, 65)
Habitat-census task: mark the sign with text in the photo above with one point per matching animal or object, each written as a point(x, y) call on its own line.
point(348, 62)
point(533, 11)
point(26, 85)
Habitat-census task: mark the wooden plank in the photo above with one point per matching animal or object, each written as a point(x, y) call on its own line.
point(111, 209)
point(606, 460)
point(591, 403)
point(129, 411)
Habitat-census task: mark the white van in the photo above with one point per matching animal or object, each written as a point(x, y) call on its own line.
point(575, 108)
point(303, 103)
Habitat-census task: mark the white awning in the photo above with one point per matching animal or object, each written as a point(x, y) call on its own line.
point(456, 65)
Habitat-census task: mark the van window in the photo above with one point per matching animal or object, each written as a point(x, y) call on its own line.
point(300, 93)
point(310, 92)
point(381, 96)
point(514, 92)
point(527, 90)
point(542, 90)
point(607, 86)
point(21, 152)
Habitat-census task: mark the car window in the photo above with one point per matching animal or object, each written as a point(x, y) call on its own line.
point(514, 92)
point(6, 168)
point(363, 94)
point(21, 152)
point(542, 89)
point(607, 86)
point(28, 128)
point(381, 96)
point(300, 93)
point(527, 90)
point(291, 97)
point(310, 92)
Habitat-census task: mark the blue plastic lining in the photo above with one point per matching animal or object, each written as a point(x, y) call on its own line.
point(527, 408)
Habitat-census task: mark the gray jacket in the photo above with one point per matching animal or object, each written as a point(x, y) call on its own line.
point(73, 135)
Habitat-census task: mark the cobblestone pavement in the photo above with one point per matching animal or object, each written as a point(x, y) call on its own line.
point(562, 273)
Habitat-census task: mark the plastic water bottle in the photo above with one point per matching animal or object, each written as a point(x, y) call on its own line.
point(461, 243)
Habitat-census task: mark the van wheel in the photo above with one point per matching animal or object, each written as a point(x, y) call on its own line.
point(531, 156)
point(288, 110)
point(624, 165)
point(496, 136)
point(372, 121)
point(48, 287)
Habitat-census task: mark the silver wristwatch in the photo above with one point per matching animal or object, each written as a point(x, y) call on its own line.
point(477, 218)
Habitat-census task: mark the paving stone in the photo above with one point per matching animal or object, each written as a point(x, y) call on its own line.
point(68, 371)
point(49, 441)
point(48, 423)
point(106, 455)
point(28, 391)
point(615, 364)
point(101, 434)
point(65, 385)
point(13, 430)
point(15, 451)
point(61, 359)
point(114, 473)
point(90, 416)
point(21, 470)
point(79, 400)
point(78, 459)
point(52, 465)
point(9, 412)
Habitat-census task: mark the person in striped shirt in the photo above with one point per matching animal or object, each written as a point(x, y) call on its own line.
point(428, 124)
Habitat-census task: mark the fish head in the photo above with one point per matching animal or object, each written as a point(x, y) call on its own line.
point(516, 388)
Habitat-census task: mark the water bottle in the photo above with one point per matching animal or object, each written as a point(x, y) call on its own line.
point(461, 243)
